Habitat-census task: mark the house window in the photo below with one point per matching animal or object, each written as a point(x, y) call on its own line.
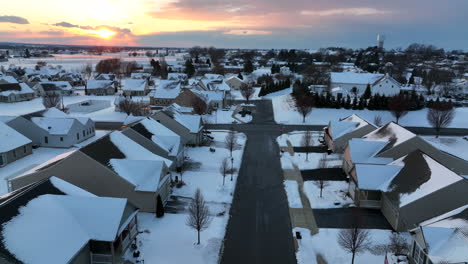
point(1, 160)
point(418, 254)
point(14, 153)
point(84, 133)
point(46, 140)
point(77, 136)
point(61, 139)
point(24, 149)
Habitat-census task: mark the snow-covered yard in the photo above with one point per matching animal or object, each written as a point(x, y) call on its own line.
point(457, 146)
point(295, 137)
point(224, 116)
point(333, 194)
point(39, 156)
point(236, 94)
point(310, 163)
point(169, 239)
point(286, 113)
point(292, 191)
point(325, 244)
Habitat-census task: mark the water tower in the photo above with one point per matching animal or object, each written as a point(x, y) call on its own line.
point(380, 41)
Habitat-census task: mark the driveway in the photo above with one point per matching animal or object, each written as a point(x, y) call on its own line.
point(346, 217)
point(314, 149)
point(329, 174)
point(259, 228)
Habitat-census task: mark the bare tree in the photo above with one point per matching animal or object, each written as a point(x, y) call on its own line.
point(304, 106)
point(127, 106)
point(231, 141)
point(87, 71)
point(307, 142)
point(51, 100)
point(398, 244)
point(398, 107)
point(378, 120)
point(224, 168)
point(247, 91)
point(321, 183)
point(199, 215)
point(198, 105)
point(354, 241)
point(440, 115)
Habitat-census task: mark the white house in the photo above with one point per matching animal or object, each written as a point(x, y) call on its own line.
point(356, 83)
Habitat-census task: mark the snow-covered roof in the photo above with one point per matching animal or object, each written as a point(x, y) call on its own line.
point(167, 92)
point(58, 85)
point(11, 139)
point(53, 228)
point(446, 236)
point(160, 135)
point(14, 88)
point(134, 85)
point(355, 78)
point(456, 146)
point(391, 133)
point(191, 122)
point(346, 125)
point(99, 84)
point(375, 177)
point(8, 79)
point(364, 151)
point(55, 126)
point(143, 174)
point(420, 176)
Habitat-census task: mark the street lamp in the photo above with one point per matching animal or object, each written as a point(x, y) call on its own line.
point(232, 166)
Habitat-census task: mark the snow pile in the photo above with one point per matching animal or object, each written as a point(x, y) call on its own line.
point(292, 191)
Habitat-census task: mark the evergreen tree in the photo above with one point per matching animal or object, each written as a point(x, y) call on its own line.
point(348, 102)
point(208, 62)
point(159, 207)
point(248, 66)
point(189, 68)
point(239, 75)
point(354, 106)
point(367, 92)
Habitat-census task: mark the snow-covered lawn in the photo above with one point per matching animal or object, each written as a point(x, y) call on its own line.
point(39, 156)
point(457, 146)
point(333, 194)
point(238, 96)
point(170, 240)
point(222, 116)
point(310, 163)
point(326, 245)
point(207, 176)
point(295, 137)
point(286, 113)
point(292, 191)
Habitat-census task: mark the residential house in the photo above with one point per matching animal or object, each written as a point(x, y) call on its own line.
point(338, 133)
point(442, 239)
point(166, 93)
point(234, 82)
point(140, 75)
point(49, 88)
point(188, 127)
point(6, 79)
point(391, 142)
point(285, 71)
point(100, 87)
point(135, 87)
point(13, 145)
point(53, 221)
point(408, 190)
point(53, 128)
point(15, 92)
point(356, 83)
point(105, 77)
point(113, 166)
point(158, 139)
point(176, 76)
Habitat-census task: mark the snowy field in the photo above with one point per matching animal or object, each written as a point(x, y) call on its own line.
point(286, 113)
point(39, 156)
point(456, 146)
point(169, 239)
point(325, 244)
point(238, 96)
point(295, 137)
point(333, 194)
point(312, 162)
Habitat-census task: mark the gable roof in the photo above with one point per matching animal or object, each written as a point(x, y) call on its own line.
point(391, 133)
point(134, 85)
point(375, 177)
point(355, 78)
point(14, 88)
point(191, 122)
point(364, 151)
point(99, 84)
point(346, 125)
point(11, 139)
point(56, 86)
point(145, 175)
point(159, 134)
point(420, 176)
point(446, 236)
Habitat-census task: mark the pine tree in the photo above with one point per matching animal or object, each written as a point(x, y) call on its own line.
point(367, 92)
point(248, 66)
point(239, 75)
point(159, 207)
point(189, 68)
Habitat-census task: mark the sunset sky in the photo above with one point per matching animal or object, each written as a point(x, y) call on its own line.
point(236, 23)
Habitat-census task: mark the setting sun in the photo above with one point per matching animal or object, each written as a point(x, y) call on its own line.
point(104, 33)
